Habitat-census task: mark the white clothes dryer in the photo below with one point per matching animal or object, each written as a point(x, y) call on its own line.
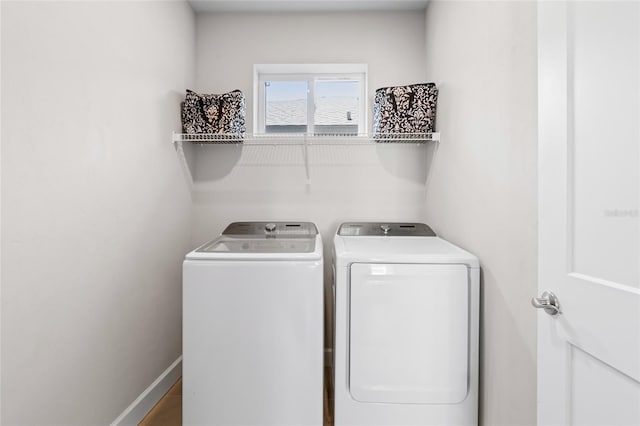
point(253, 327)
point(406, 327)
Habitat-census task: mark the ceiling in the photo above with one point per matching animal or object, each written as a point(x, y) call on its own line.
point(204, 6)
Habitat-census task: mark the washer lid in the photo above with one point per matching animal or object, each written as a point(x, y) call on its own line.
point(239, 244)
point(391, 229)
point(263, 241)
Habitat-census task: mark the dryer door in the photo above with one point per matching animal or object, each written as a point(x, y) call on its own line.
point(409, 327)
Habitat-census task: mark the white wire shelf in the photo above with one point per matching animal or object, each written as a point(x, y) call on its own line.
point(307, 139)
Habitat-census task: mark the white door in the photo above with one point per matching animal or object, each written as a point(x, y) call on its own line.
point(589, 91)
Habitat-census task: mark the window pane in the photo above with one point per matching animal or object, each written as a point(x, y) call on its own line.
point(337, 106)
point(285, 106)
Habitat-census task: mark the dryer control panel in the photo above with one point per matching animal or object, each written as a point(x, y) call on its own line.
point(392, 229)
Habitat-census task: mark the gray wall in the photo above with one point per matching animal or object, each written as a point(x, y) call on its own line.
point(482, 195)
point(95, 210)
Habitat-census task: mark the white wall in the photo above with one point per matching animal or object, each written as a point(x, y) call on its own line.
point(95, 214)
point(269, 183)
point(482, 195)
point(95, 210)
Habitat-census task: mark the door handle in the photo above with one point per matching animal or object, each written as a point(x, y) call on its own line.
point(548, 301)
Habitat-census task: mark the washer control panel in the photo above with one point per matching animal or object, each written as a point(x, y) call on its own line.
point(272, 229)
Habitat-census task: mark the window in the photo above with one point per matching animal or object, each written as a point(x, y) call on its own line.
point(325, 99)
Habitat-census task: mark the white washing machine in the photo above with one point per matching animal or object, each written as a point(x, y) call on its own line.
point(406, 327)
point(253, 327)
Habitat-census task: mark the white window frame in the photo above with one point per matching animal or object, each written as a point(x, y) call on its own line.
point(310, 73)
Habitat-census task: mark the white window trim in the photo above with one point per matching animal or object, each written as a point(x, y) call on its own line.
point(310, 72)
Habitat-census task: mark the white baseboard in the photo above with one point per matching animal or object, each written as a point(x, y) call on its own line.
point(139, 408)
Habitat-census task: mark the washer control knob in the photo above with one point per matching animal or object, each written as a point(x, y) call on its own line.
point(385, 229)
point(270, 227)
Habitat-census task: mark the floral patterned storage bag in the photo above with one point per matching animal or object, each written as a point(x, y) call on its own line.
point(214, 114)
point(405, 109)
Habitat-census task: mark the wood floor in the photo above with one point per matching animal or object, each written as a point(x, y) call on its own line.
point(168, 411)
